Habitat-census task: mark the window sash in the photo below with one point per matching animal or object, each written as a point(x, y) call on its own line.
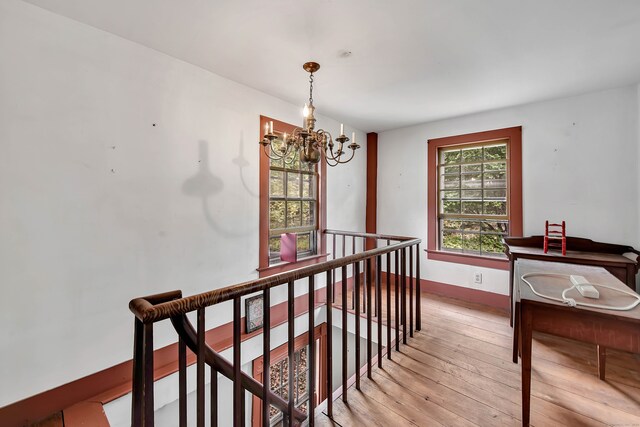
point(472, 241)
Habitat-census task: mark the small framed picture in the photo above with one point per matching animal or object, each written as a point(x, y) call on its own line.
point(254, 313)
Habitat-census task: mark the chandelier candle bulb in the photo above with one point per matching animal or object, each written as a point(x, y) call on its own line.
point(341, 128)
point(271, 127)
point(353, 137)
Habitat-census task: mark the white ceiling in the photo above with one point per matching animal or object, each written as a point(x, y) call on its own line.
point(412, 60)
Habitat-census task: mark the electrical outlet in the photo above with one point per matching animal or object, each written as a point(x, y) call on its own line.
point(477, 278)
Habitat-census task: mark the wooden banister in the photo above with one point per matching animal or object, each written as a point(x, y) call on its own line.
point(172, 305)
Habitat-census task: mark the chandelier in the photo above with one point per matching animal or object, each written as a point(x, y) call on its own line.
point(308, 144)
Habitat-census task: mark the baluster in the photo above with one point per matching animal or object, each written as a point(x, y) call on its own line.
point(137, 405)
point(365, 274)
point(388, 303)
point(238, 416)
point(379, 307)
point(182, 381)
point(357, 320)
point(200, 370)
point(344, 334)
point(374, 280)
point(353, 251)
point(396, 282)
point(369, 331)
point(148, 375)
point(311, 357)
point(329, 356)
point(266, 356)
point(410, 292)
point(403, 285)
point(333, 279)
point(418, 293)
point(291, 348)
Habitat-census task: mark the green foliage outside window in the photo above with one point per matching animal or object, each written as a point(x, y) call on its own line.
point(473, 210)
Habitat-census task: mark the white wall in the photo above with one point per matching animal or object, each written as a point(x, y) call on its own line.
point(580, 164)
point(98, 205)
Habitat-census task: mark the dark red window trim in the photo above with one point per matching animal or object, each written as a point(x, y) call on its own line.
point(264, 269)
point(514, 137)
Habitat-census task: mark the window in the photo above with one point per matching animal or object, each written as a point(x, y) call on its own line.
point(292, 200)
point(279, 383)
point(279, 375)
point(474, 196)
point(293, 205)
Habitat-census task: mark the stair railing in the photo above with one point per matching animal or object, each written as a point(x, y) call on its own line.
point(401, 255)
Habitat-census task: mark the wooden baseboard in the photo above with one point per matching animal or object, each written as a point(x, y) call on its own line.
point(490, 299)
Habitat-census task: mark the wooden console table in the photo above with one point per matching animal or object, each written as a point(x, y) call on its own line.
point(606, 328)
point(579, 251)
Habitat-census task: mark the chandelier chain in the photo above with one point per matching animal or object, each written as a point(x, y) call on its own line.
point(311, 88)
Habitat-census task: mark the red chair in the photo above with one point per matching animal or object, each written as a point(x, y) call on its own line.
point(555, 237)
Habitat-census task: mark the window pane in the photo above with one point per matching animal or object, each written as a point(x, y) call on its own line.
point(497, 166)
point(471, 242)
point(495, 152)
point(471, 154)
point(451, 240)
point(276, 214)
point(471, 194)
point(451, 194)
point(492, 243)
point(471, 208)
point(451, 181)
point(302, 385)
point(450, 206)
point(471, 225)
point(274, 244)
point(308, 213)
point(495, 227)
point(450, 156)
point(472, 168)
point(495, 194)
point(307, 185)
point(495, 208)
point(448, 224)
point(293, 184)
point(303, 242)
point(472, 181)
point(293, 214)
point(495, 180)
point(451, 169)
point(276, 163)
point(276, 183)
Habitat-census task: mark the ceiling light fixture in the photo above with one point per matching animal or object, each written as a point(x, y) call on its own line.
point(308, 144)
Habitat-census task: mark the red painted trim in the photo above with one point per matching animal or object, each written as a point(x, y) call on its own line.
point(372, 187)
point(321, 214)
point(85, 414)
point(514, 137)
point(479, 261)
point(114, 382)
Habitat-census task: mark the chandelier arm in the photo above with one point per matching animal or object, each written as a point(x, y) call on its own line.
point(353, 152)
point(266, 153)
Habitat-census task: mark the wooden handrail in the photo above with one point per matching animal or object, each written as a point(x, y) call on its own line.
point(147, 312)
point(172, 305)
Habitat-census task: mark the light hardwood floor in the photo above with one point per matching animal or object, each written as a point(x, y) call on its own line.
point(457, 371)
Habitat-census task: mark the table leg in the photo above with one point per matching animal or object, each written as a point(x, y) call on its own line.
point(516, 333)
point(602, 360)
point(526, 334)
point(511, 265)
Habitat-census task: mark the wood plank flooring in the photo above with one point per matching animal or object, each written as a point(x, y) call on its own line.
point(457, 371)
